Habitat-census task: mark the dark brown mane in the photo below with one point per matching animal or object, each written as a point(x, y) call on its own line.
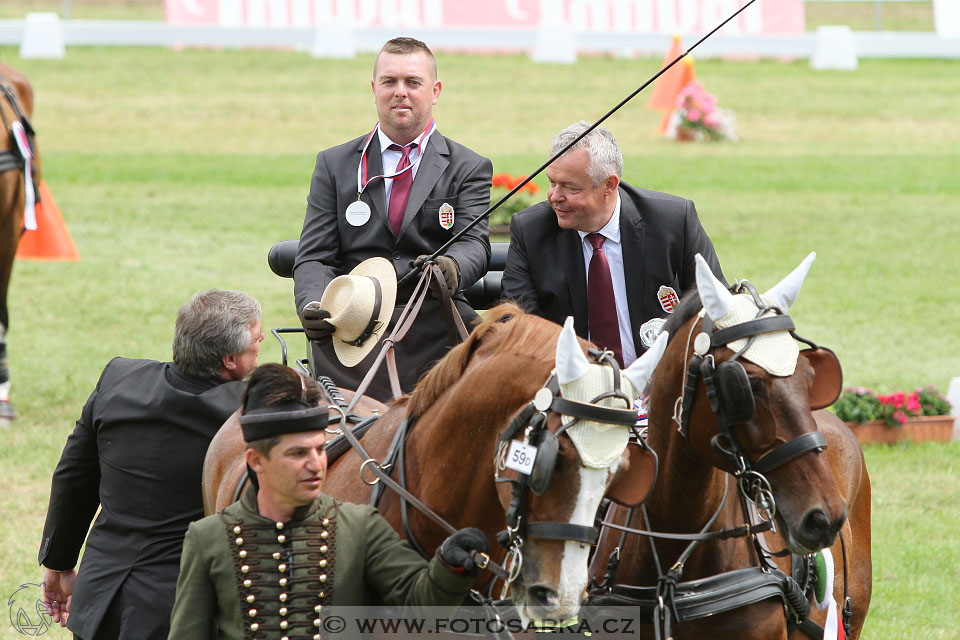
point(515, 331)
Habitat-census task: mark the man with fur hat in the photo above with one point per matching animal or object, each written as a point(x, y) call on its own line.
point(270, 564)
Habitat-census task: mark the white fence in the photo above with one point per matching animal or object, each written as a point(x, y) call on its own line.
point(156, 33)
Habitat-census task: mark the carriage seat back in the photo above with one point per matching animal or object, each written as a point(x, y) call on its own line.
point(482, 295)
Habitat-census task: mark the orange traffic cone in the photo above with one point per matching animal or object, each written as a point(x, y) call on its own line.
point(51, 240)
point(668, 86)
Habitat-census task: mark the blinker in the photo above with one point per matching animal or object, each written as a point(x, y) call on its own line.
point(542, 471)
point(736, 396)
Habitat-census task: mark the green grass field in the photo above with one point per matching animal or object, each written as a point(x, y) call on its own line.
point(177, 171)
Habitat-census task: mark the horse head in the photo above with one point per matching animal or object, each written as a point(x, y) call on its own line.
point(554, 463)
point(747, 400)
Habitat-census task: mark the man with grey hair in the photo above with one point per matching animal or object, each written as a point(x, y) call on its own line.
point(614, 257)
point(136, 454)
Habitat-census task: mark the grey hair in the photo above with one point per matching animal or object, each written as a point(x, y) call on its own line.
point(606, 159)
point(214, 323)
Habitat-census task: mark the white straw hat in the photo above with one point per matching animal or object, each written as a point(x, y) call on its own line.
point(360, 305)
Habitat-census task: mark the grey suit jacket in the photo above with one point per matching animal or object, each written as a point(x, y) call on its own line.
point(330, 246)
point(660, 234)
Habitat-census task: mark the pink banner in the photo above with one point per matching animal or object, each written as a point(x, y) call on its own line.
point(603, 16)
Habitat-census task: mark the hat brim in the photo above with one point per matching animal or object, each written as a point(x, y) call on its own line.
point(382, 270)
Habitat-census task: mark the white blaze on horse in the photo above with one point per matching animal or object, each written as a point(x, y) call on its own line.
point(495, 393)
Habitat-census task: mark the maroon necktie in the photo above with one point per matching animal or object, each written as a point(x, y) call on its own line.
point(400, 191)
point(601, 305)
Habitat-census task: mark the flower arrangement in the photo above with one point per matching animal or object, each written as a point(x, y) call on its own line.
point(697, 117)
point(501, 184)
point(859, 404)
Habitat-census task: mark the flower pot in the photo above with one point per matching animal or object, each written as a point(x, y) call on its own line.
point(686, 135)
point(924, 428)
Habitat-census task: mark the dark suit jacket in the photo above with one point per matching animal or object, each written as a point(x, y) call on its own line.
point(660, 235)
point(137, 452)
point(329, 246)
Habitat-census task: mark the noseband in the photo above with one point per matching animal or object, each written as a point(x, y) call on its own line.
point(544, 445)
point(731, 398)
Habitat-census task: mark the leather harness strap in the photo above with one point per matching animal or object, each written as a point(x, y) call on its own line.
point(812, 441)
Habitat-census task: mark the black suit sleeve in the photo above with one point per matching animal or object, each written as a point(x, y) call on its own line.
point(518, 283)
point(696, 241)
point(318, 254)
point(74, 494)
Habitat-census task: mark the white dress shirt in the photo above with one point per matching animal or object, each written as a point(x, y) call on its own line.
point(390, 159)
point(613, 249)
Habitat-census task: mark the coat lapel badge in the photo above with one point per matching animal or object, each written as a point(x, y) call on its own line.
point(668, 298)
point(446, 216)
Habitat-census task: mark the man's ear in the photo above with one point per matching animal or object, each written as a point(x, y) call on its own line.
point(254, 460)
point(611, 184)
point(229, 362)
point(437, 88)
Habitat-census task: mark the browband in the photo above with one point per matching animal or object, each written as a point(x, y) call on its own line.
point(750, 328)
point(278, 419)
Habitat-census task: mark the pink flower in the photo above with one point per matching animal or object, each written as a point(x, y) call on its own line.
point(693, 115)
point(708, 102)
point(913, 403)
point(711, 120)
point(899, 416)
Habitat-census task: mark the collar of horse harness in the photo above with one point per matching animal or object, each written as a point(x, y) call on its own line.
point(533, 418)
point(731, 399)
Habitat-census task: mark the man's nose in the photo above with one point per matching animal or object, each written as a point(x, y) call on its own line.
point(315, 462)
point(554, 195)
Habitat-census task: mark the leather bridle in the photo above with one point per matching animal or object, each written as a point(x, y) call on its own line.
point(12, 159)
point(731, 399)
point(532, 419)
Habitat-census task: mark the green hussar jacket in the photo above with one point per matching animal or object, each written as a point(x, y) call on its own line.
point(246, 576)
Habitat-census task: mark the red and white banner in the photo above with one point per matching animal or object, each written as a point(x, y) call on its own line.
point(600, 16)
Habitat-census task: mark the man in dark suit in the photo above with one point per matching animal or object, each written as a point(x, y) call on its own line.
point(437, 187)
point(614, 257)
point(137, 453)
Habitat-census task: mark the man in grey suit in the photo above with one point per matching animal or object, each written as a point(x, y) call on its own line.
point(614, 257)
point(399, 192)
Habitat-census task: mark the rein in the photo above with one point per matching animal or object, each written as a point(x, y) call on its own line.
point(731, 399)
point(533, 420)
point(409, 313)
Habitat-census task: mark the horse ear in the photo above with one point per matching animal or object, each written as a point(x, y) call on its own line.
point(571, 363)
point(716, 300)
point(785, 292)
point(640, 370)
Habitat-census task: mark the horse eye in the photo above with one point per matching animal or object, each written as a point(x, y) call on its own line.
point(757, 386)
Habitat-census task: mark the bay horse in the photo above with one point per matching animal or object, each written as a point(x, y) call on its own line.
point(733, 403)
point(455, 429)
point(16, 106)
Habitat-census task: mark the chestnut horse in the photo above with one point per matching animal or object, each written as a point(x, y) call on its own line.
point(812, 484)
point(16, 105)
point(457, 423)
